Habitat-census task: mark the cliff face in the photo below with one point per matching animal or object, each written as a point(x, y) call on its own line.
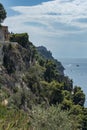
point(15, 60)
point(20, 69)
point(15, 63)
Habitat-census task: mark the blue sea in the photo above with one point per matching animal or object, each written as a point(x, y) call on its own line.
point(76, 69)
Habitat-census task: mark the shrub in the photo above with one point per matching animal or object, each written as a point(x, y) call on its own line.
point(22, 38)
point(52, 118)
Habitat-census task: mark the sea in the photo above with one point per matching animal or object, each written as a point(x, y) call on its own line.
point(76, 69)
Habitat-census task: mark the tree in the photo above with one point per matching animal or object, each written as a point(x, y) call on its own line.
point(51, 71)
point(78, 96)
point(76, 112)
point(85, 119)
point(66, 104)
point(21, 38)
point(2, 13)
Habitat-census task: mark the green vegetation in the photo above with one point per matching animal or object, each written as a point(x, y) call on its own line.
point(39, 118)
point(78, 96)
point(34, 92)
point(45, 54)
point(33, 88)
point(2, 13)
point(22, 39)
point(52, 118)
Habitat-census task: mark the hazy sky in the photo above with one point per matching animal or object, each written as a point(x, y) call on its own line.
point(60, 25)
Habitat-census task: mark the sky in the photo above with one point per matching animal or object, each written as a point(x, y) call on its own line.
point(59, 25)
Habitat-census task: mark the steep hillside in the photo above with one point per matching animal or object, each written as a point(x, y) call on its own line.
point(34, 87)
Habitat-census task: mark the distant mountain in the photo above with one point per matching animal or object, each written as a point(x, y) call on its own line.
point(45, 53)
point(48, 55)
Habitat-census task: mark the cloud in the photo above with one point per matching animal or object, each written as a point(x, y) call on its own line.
point(82, 20)
point(55, 19)
point(63, 11)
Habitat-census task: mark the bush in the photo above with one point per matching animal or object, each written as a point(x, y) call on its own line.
point(52, 118)
point(78, 96)
point(22, 38)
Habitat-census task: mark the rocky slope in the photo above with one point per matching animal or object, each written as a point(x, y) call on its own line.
point(20, 69)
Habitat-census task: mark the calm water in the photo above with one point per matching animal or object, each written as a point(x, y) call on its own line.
point(76, 69)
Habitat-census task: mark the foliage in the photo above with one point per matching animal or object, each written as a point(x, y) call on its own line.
point(78, 96)
point(51, 71)
point(67, 95)
point(66, 104)
point(84, 126)
point(2, 13)
point(57, 94)
point(51, 118)
point(8, 61)
point(9, 64)
point(39, 118)
point(22, 38)
point(33, 76)
point(68, 83)
point(76, 112)
point(47, 55)
point(12, 119)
